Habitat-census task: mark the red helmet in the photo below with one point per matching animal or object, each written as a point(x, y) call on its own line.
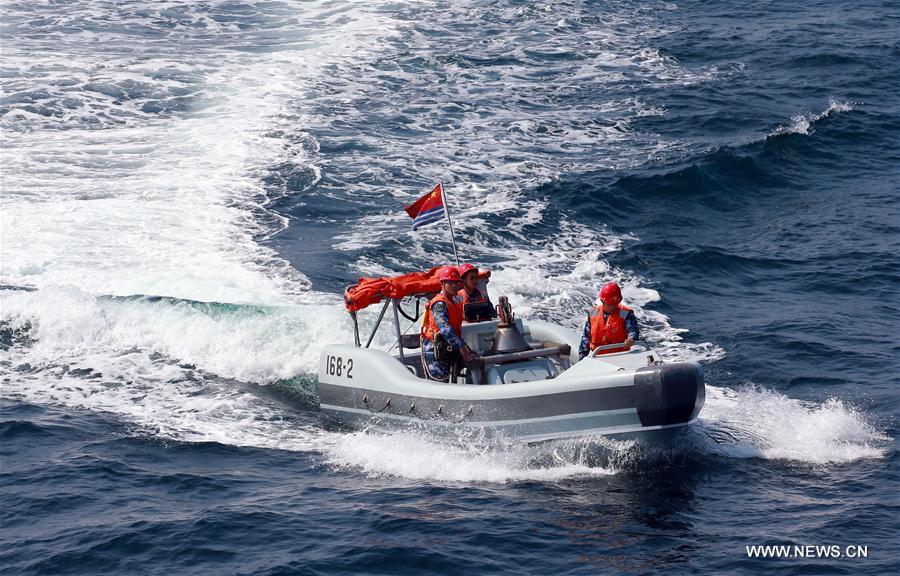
point(449, 273)
point(466, 268)
point(611, 294)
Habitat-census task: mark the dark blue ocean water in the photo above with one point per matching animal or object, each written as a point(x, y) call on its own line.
point(188, 188)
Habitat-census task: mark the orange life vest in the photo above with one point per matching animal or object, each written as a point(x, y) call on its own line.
point(466, 299)
point(454, 314)
point(609, 330)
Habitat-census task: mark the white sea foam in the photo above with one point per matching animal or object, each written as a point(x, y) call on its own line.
point(155, 203)
point(249, 343)
point(749, 423)
point(804, 123)
point(755, 422)
point(104, 198)
point(420, 456)
point(140, 171)
point(165, 400)
point(146, 215)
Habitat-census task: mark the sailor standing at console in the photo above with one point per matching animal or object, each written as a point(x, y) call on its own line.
point(609, 323)
point(442, 341)
point(470, 292)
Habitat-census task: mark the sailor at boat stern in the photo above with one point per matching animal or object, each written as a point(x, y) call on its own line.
point(609, 323)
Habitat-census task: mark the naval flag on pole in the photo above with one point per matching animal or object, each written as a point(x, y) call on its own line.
point(428, 209)
point(432, 208)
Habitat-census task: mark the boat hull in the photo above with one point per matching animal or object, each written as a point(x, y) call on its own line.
point(651, 401)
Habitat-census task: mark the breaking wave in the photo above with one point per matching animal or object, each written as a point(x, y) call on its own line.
point(804, 124)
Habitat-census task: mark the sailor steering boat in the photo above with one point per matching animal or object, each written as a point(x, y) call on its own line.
point(524, 383)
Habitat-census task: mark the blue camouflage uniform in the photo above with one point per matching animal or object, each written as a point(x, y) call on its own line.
point(440, 370)
point(630, 324)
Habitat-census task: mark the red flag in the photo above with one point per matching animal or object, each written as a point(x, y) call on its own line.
point(428, 209)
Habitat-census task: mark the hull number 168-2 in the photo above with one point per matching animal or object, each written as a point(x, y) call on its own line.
point(337, 366)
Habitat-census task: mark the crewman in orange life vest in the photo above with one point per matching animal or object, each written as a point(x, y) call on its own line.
point(609, 323)
point(470, 292)
point(442, 341)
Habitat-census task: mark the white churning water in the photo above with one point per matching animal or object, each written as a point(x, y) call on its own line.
point(138, 170)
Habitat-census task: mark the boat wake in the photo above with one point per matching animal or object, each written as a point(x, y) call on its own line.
point(754, 422)
point(418, 455)
point(186, 371)
point(751, 423)
point(166, 161)
point(187, 408)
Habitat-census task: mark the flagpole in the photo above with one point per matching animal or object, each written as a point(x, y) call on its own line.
point(449, 221)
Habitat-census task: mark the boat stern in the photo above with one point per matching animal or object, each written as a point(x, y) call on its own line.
point(669, 394)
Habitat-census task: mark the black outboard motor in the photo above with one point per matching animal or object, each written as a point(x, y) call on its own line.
point(507, 338)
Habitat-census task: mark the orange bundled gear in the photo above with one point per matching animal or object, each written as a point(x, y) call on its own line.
point(370, 291)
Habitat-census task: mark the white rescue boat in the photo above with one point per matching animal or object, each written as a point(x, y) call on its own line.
point(526, 383)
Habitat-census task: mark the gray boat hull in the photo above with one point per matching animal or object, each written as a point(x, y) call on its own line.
point(613, 395)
